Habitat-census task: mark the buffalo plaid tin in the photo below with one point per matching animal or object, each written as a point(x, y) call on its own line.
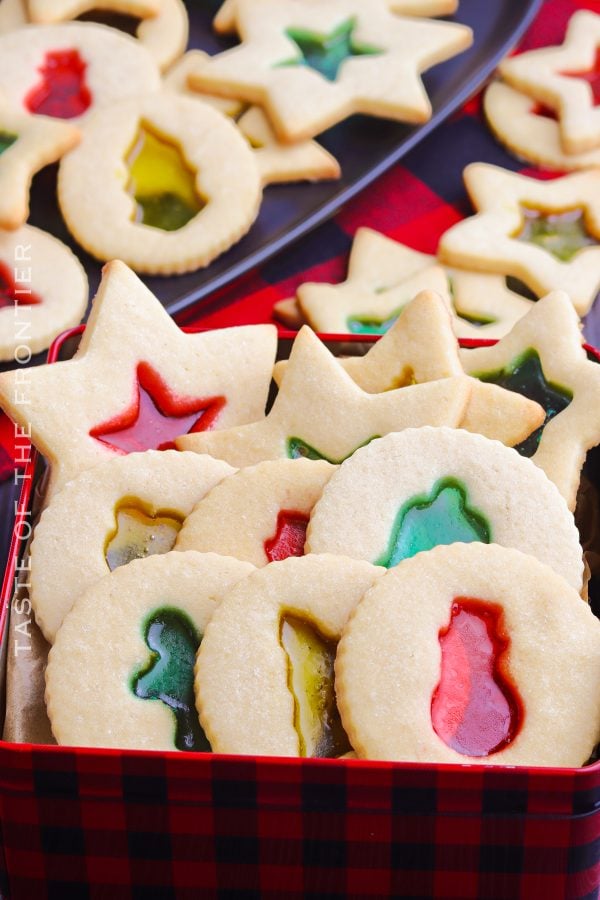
point(133, 825)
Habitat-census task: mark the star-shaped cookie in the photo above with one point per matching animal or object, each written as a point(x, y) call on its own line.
point(277, 162)
point(47, 12)
point(567, 79)
point(525, 127)
point(311, 65)
point(27, 144)
point(546, 233)
point(421, 347)
point(543, 357)
point(137, 380)
point(321, 413)
point(225, 20)
point(383, 274)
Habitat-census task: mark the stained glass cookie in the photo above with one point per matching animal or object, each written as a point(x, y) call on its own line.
point(121, 671)
point(544, 232)
point(259, 515)
point(225, 20)
point(137, 381)
point(566, 79)
point(382, 275)
point(311, 65)
point(411, 491)
point(126, 508)
point(70, 70)
point(163, 182)
point(529, 131)
point(264, 674)
point(543, 358)
point(35, 306)
point(320, 413)
point(420, 347)
point(471, 653)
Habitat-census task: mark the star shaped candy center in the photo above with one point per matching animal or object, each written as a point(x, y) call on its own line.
point(475, 709)
point(592, 76)
point(62, 91)
point(325, 53)
point(161, 181)
point(443, 517)
point(156, 416)
point(563, 234)
point(525, 375)
point(13, 294)
point(310, 659)
point(169, 674)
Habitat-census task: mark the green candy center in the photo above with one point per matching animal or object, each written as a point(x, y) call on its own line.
point(562, 234)
point(140, 532)
point(299, 449)
point(325, 53)
point(311, 682)
point(168, 675)
point(525, 375)
point(365, 324)
point(7, 140)
point(443, 517)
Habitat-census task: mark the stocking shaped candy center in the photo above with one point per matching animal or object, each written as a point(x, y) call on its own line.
point(475, 708)
point(62, 91)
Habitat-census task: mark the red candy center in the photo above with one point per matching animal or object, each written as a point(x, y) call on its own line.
point(540, 110)
point(156, 416)
point(13, 294)
point(289, 537)
point(475, 709)
point(592, 76)
point(62, 92)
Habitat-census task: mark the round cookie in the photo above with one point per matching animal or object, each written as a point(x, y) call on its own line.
point(104, 64)
point(128, 507)
point(120, 673)
point(163, 181)
point(415, 489)
point(471, 653)
point(264, 673)
point(260, 514)
point(34, 305)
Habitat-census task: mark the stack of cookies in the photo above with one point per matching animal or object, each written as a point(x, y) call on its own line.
point(384, 565)
point(545, 108)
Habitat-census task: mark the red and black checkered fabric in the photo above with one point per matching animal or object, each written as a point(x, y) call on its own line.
point(181, 827)
point(89, 824)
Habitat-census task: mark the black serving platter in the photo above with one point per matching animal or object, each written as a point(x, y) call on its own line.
point(365, 147)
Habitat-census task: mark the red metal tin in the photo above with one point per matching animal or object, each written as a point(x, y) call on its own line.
point(86, 823)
